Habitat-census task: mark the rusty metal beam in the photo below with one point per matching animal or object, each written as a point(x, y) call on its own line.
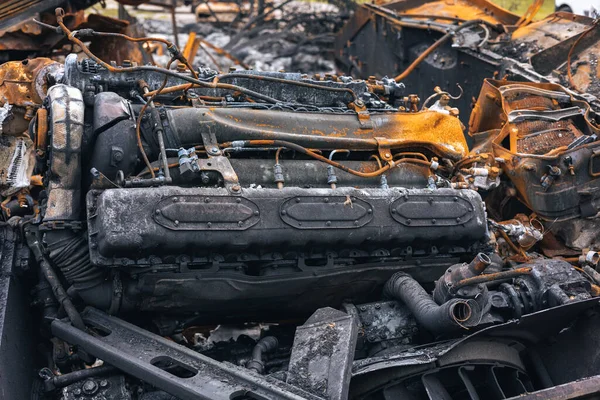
point(191, 47)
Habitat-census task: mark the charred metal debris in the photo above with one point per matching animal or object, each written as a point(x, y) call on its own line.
point(182, 232)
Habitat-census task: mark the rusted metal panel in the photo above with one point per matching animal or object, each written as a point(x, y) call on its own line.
point(24, 83)
point(453, 10)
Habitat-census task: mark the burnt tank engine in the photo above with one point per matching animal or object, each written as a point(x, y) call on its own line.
point(247, 191)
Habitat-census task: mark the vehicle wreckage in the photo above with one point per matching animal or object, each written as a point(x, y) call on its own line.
point(185, 233)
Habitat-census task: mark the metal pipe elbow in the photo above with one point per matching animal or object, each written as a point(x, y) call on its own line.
point(264, 345)
point(451, 316)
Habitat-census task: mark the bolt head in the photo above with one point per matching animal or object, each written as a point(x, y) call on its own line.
point(90, 386)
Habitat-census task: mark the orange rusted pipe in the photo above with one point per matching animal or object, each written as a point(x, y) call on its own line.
point(513, 273)
point(303, 150)
point(423, 56)
point(432, 48)
point(41, 140)
point(530, 13)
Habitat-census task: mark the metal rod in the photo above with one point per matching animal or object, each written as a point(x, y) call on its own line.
point(161, 141)
point(174, 22)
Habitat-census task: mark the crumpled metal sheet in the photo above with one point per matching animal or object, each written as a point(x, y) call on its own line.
point(17, 160)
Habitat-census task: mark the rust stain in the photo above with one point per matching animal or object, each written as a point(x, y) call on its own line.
point(22, 83)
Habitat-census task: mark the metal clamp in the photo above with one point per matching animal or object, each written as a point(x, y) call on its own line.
point(384, 149)
point(217, 162)
point(209, 140)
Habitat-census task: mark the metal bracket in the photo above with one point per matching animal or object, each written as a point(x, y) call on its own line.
point(364, 117)
point(183, 373)
point(384, 149)
point(222, 165)
point(217, 162)
point(209, 140)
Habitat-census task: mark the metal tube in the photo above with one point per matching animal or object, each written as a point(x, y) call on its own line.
point(479, 264)
point(174, 22)
point(432, 48)
point(161, 140)
point(513, 273)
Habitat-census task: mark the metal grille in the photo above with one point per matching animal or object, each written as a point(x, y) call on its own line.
point(533, 103)
point(540, 137)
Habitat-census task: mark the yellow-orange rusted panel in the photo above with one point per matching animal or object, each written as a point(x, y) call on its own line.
point(439, 133)
point(22, 83)
point(460, 9)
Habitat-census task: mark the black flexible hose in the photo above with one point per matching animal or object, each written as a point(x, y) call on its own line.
point(68, 250)
point(34, 243)
point(61, 294)
point(264, 345)
point(451, 316)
